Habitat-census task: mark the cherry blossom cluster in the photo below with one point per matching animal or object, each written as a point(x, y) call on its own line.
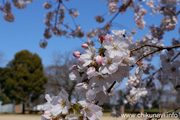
point(7, 8)
point(134, 82)
point(55, 19)
point(60, 108)
point(147, 39)
point(112, 5)
point(55, 24)
point(99, 68)
point(136, 94)
point(170, 69)
point(139, 14)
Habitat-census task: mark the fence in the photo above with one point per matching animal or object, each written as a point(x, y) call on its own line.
point(7, 108)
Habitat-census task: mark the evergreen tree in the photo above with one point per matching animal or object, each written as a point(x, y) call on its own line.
point(23, 79)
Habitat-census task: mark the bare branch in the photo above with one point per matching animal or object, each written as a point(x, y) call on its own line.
point(121, 8)
point(57, 12)
point(178, 12)
point(147, 55)
point(175, 57)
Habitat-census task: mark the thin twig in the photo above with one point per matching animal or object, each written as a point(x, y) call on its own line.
point(147, 55)
point(70, 15)
point(174, 110)
point(178, 12)
point(175, 57)
point(121, 8)
point(114, 17)
point(57, 12)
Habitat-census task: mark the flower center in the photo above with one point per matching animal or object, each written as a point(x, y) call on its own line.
point(115, 47)
point(87, 110)
point(100, 77)
point(63, 103)
point(109, 62)
point(92, 57)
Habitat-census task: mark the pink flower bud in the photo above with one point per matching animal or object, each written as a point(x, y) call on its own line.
point(76, 54)
point(98, 59)
point(85, 46)
point(102, 38)
point(74, 67)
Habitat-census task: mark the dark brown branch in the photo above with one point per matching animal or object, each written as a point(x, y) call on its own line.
point(112, 85)
point(121, 9)
point(175, 57)
point(57, 13)
point(178, 12)
point(174, 110)
point(159, 48)
point(114, 17)
point(108, 90)
point(145, 45)
point(155, 46)
point(147, 55)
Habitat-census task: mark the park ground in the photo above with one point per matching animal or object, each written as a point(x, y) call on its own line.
point(38, 117)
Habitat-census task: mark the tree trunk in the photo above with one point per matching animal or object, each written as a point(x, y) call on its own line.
point(23, 108)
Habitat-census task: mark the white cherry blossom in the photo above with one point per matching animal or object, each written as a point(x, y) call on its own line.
point(90, 110)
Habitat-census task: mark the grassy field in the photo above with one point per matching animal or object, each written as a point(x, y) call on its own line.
point(106, 116)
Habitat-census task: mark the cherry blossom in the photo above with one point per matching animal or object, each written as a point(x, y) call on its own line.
point(90, 110)
point(46, 5)
point(57, 104)
point(136, 94)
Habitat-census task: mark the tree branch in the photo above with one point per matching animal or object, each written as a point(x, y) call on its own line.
point(147, 55)
point(60, 1)
point(155, 46)
point(108, 90)
point(178, 12)
point(122, 8)
point(112, 85)
point(159, 48)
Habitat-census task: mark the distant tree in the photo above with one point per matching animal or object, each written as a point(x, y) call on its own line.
point(23, 79)
point(58, 74)
point(3, 97)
